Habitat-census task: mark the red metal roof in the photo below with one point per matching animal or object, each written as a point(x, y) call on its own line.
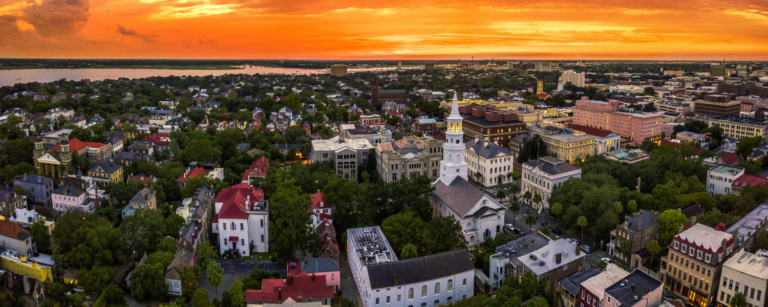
point(592, 131)
point(317, 199)
point(258, 168)
point(300, 288)
point(729, 158)
point(77, 145)
point(192, 174)
point(234, 200)
point(749, 180)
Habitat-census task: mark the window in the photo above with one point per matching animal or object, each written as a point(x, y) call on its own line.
point(730, 286)
point(241, 226)
point(609, 299)
point(582, 294)
point(233, 226)
point(465, 282)
point(262, 223)
point(224, 225)
point(752, 294)
point(262, 238)
point(737, 287)
point(450, 285)
point(722, 295)
point(758, 294)
point(398, 297)
point(387, 299)
point(423, 291)
point(410, 293)
point(377, 301)
point(437, 288)
point(589, 300)
point(746, 290)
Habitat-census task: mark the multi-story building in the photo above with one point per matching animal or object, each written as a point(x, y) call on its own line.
point(575, 78)
point(59, 113)
point(55, 138)
point(672, 106)
point(16, 238)
point(721, 177)
point(638, 289)
point(505, 263)
point(592, 291)
point(491, 123)
point(565, 144)
point(744, 89)
point(383, 280)
point(718, 70)
point(71, 197)
point(258, 169)
point(569, 291)
point(106, 173)
point(605, 140)
point(380, 96)
point(241, 220)
point(543, 175)
point(552, 263)
point(346, 154)
point(543, 66)
point(713, 107)
point(695, 259)
point(374, 135)
point(145, 199)
point(10, 201)
point(751, 227)
point(479, 215)
point(739, 127)
point(691, 137)
point(409, 156)
point(638, 229)
point(338, 70)
point(489, 160)
point(40, 187)
point(633, 126)
point(517, 143)
point(745, 273)
point(56, 161)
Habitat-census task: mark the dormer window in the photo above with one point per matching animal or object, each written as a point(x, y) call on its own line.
point(708, 257)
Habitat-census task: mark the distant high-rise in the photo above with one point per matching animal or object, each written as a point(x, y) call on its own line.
point(338, 70)
point(716, 70)
point(429, 67)
point(543, 66)
point(576, 78)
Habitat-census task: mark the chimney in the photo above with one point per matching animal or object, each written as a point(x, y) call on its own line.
point(655, 216)
point(395, 279)
point(639, 224)
point(578, 251)
point(558, 258)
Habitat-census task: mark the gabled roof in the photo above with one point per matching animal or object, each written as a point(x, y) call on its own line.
point(592, 131)
point(192, 174)
point(77, 145)
point(486, 149)
point(299, 288)
point(461, 196)
point(69, 189)
point(234, 201)
point(552, 166)
point(411, 271)
point(749, 180)
point(318, 199)
point(319, 265)
point(13, 230)
point(729, 159)
point(108, 167)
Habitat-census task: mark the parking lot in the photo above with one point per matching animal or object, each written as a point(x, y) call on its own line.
point(237, 270)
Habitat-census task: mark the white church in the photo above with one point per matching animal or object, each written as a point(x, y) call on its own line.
point(479, 214)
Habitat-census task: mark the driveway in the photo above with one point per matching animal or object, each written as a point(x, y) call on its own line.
point(237, 270)
point(348, 286)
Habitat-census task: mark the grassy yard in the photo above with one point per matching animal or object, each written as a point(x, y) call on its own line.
point(263, 257)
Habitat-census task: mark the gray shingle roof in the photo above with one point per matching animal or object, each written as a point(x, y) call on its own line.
point(108, 167)
point(69, 190)
point(319, 265)
point(638, 282)
point(645, 218)
point(573, 282)
point(421, 269)
point(461, 196)
point(552, 166)
point(489, 152)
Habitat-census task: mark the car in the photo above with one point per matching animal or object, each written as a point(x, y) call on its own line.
point(543, 224)
point(586, 248)
point(557, 231)
point(607, 260)
point(519, 231)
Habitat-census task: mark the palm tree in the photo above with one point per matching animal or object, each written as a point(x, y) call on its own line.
point(537, 201)
point(617, 207)
point(478, 175)
point(530, 220)
point(739, 300)
point(514, 207)
point(509, 176)
point(582, 221)
point(654, 248)
point(632, 206)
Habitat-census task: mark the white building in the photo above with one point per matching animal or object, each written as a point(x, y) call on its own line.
point(747, 273)
point(558, 260)
point(505, 262)
point(492, 161)
point(576, 78)
point(721, 177)
point(241, 220)
point(479, 215)
point(543, 175)
point(347, 154)
point(383, 280)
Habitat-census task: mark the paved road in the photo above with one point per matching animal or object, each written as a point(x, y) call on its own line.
point(348, 286)
point(238, 269)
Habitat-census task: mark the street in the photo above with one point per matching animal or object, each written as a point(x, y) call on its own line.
point(238, 269)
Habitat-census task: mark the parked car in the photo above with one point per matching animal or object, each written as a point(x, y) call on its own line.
point(557, 231)
point(607, 260)
point(586, 248)
point(544, 224)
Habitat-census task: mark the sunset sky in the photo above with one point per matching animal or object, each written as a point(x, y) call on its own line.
point(393, 29)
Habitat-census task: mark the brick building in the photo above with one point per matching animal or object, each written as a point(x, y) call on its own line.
point(491, 123)
point(634, 127)
point(380, 96)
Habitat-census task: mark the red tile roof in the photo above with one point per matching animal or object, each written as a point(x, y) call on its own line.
point(592, 131)
point(144, 179)
point(234, 200)
point(11, 230)
point(673, 144)
point(317, 199)
point(749, 180)
point(729, 158)
point(258, 168)
point(77, 145)
point(294, 267)
point(300, 288)
point(157, 137)
point(192, 174)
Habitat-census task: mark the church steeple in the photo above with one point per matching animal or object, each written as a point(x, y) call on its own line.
point(453, 164)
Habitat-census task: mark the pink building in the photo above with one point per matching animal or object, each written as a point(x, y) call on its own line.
point(637, 289)
point(634, 127)
point(668, 130)
point(71, 197)
point(326, 267)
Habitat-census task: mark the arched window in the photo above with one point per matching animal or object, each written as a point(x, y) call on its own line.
point(437, 288)
point(450, 285)
point(498, 228)
point(423, 291)
point(410, 293)
point(233, 226)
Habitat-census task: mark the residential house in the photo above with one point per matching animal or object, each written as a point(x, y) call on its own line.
point(322, 267)
point(593, 289)
point(570, 287)
point(106, 173)
point(140, 178)
point(382, 279)
point(10, 201)
point(124, 158)
point(552, 263)
point(505, 263)
point(745, 273)
point(638, 289)
point(26, 218)
point(320, 210)
point(258, 169)
point(141, 147)
point(746, 180)
point(40, 187)
point(490, 161)
point(638, 229)
point(70, 197)
point(329, 247)
point(184, 257)
point(751, 227)
point(144, 199)
point(117, 145)
point(16, 238)
point(720, 178)
point(190, 173)
point(292, 289)
point(241, 220)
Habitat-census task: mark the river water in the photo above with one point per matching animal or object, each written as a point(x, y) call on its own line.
point(11, 77)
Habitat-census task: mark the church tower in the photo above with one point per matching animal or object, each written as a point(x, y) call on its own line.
point(65, 155)
point(539, 87)
point(453, 164)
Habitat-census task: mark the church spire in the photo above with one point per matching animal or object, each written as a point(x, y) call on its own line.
point(453, 164)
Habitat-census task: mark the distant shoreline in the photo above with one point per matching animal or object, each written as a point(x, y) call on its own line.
point(165, 67)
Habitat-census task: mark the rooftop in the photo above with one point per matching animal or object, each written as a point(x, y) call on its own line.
point(749, 223)
point(740, 120)
point(572, 283)
point(639, 221)
point(545, 259)
point(416, 270)
point(727, 170)
point(523, 245)
point(551, 165)
point(486, 149)
point(749, 263)
point(335, 144)
point(633, 287)
point(599, 283)
point(704, 236)
point(370, 245)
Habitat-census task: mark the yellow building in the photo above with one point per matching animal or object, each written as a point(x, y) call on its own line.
point(566, 145)
point(739, 127)
point(106, 173)
point(16, 264)
point(539, 87)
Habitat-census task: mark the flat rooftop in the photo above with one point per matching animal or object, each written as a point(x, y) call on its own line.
point(749, 223)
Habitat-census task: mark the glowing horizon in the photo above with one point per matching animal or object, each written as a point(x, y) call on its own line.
point(686, 30)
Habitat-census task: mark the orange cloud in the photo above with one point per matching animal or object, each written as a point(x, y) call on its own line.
point(395, 29)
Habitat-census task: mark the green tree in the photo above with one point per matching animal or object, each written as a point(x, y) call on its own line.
point(40, 235)
point(291, 230)
point(582, 222)
point(444, 234)
point(655, 249)
point(409, 251)
point(148, 281)
point(556, 209)
point(545, 230)
point(256, 276)
point(530, 220)
point(293, 101)
point(500, 195)
point(632, 206)
point(201, 151)
point(602, 265)
point(161, 257)
point(669, 224)
point(168, 245)
point(617, 207)
point(527, 196)
point(514, 207)
point(537, 200)
point(402, 229)
point(188, 282)
point(85, 240)
point(739, 300)
point(206, 254)
point(143, 230)
point(201, 298)
point(173, 225)
point(114, 294)
point(215, 275)
point(626, 249)
point(93, 280)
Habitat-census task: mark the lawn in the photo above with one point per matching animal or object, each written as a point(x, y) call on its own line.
point(263, 257)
